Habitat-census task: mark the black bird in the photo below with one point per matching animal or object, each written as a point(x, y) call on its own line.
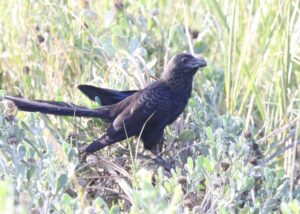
point(142, 113)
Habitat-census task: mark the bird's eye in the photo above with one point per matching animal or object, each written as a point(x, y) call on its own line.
point(184, 60)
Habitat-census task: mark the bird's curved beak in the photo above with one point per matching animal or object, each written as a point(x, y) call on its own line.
point(198, 62)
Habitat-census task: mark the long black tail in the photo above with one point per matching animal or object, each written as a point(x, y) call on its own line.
point(57, 108)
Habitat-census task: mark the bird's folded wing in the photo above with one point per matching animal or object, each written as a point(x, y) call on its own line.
point(153, 105)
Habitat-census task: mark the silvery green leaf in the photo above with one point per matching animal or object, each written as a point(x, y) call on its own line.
point(133, 44)
point(21, 152)
point(61, 182)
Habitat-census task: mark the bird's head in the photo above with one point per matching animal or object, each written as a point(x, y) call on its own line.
point(187, 62)
point(182, 67)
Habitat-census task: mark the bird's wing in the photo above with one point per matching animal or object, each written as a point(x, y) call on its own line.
point(106, 96)
point(153, 106)
point(149, 107)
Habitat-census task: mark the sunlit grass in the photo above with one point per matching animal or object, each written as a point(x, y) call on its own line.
point(47, 48)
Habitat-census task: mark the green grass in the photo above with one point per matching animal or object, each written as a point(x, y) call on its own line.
point(229, 145)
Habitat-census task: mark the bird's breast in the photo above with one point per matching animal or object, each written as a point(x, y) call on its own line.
point(180, 100)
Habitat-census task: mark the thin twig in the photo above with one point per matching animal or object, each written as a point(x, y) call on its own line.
point(278, 130)
point(274, 155)
point(278, 152)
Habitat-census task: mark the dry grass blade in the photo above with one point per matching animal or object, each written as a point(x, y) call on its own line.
point(114, 170)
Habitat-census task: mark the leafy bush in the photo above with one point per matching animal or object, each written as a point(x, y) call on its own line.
point(233, 150)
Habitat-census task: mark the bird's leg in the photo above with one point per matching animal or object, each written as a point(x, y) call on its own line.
point(100, 143)
point(158, 158)
point(153, 141)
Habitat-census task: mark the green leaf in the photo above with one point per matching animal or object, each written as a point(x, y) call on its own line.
point(21, 152)
point(98, 100)
point(177, 196)
point(2, 93)
point(249, 183)
point(13, 131)
point(208, 165)
point(30, 173)
point(119, 42)
point(66, 198)
point(190, 165)
point(106, 43)
point(61, 182)
point(200, 162)
point(28, 81)
point(117, 31)
point(21, 170)
point(186, 135)
point(1, 122)
point(133, 44)
point(65, 147)
point(209, 134)
point(114, 209)
point(71, 154)
point(100, 204)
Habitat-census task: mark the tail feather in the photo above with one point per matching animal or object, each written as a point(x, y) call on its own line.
point(58, 103)
point(56, 108)
point(106, 96)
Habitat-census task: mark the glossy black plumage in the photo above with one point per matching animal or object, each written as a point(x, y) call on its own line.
point(132, 113)
point(106, 96)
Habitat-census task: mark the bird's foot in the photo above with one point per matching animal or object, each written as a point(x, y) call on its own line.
point(158, 159)
point(163, 163)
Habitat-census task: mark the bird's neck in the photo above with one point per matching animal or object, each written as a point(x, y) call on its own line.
point(178, 82)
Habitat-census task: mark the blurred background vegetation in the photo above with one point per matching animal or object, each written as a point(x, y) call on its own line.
point(235, 147)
